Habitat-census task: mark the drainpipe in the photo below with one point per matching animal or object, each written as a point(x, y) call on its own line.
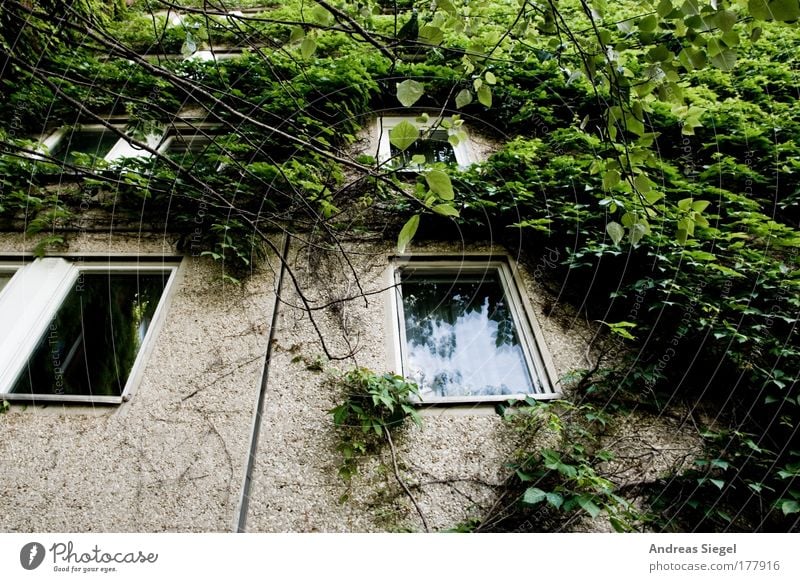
point(244, 499)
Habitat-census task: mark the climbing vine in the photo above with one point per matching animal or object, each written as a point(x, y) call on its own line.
point(654, 146)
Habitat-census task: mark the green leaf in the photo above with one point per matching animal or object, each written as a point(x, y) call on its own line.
point(648, 23)
point(726, 60)
point(691, 58)
point(490, 78)
point(719, 483)
point(610, 179)
point(615, 231)
point(407, 233)
point(715, 46)
point(664, 8)
point(731, 38)
point(638, 230)
point(759, 9)
point(725, 19)
point(568, 471)
point(189, 46)
point(446, 210)
point(403, 135)
point(431, 35)
point(409, 92)
point(554, 499)
point(619, 525)
point(789, 507)
point(642, 183)
point(652, 197)
point(785, 10)
point(297, 35)
point(447, 6)
point(439, 183)
point(418, 160)
point(321, 15)
point(463, 98)
point(533, 495)
point(589, 506)
point(523, 476)
point(485, 96)
point(307, 47)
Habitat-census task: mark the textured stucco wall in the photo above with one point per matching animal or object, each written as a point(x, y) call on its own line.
point(172, 458)
point(453, 461)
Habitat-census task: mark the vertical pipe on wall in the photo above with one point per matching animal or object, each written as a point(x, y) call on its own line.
point(244, 500)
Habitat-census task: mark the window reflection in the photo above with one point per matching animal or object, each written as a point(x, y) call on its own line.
point(461, 338)
point(94, 143)
point(91, 344)
point(435, 148)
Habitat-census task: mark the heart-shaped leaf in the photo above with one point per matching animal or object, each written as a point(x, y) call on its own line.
point(403, 135)
point(409, 92)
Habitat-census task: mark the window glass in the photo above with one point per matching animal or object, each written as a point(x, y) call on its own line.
point(435, 148)
point(190, 149)
point(461, 338)
point(182, 144)
point(91, 344)
point(4, 278)
point(94, 143)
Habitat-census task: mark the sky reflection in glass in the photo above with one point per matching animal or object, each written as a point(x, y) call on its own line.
point(461, 338)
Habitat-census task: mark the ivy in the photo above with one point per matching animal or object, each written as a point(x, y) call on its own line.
point(373, 407)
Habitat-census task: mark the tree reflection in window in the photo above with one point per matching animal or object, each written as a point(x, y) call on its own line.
point(461, 338)
point(91, 344)
point(96, 144)
point(433, 147)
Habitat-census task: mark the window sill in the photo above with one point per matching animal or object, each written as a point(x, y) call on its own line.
point(63, 399)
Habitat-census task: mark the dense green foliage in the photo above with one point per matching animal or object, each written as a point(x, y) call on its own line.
point(655, 148)
point(373, 405)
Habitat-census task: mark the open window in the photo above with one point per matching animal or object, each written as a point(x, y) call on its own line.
point(439, 142)
point(77, 330)
point(465, 334)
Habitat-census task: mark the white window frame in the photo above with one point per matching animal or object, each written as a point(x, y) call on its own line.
point(188, 136)
point(464, 151)
point(538, 361)
point(213, 55)
point(30, 301)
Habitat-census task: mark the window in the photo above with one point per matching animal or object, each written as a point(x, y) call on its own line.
point(180, 144)
point(6, 273)
point(76, 330)
point(96, 141)
point(187, 144)
point(434, 143)
point(221, 54)
point(464, 333)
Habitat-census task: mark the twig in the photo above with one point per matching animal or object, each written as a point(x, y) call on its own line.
point(400, 479)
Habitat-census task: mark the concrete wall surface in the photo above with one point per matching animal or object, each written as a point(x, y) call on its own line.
point(174, 458)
